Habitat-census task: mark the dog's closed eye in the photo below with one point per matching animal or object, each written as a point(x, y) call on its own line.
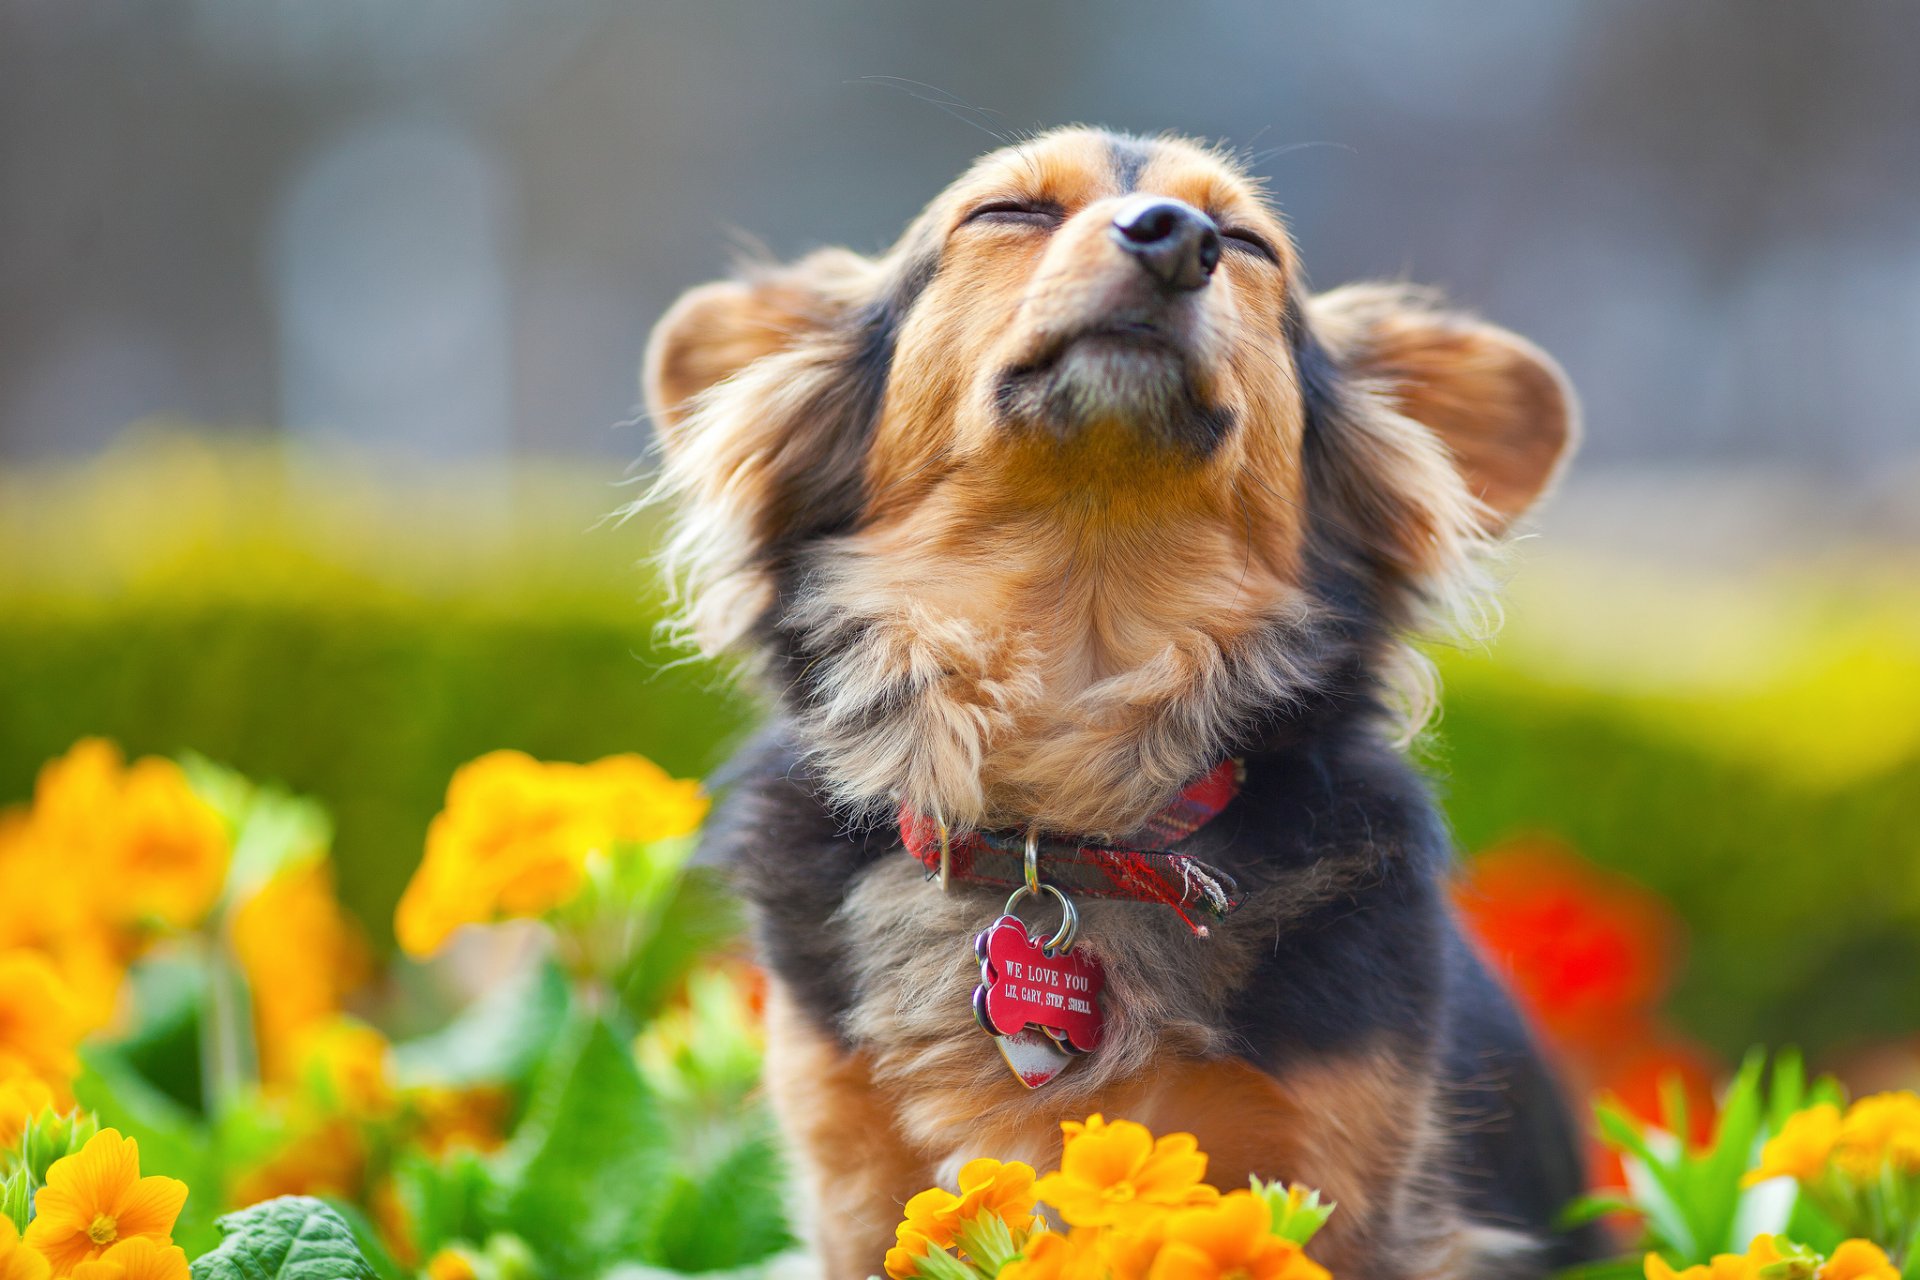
point(1034, 213)
point(1252, 241)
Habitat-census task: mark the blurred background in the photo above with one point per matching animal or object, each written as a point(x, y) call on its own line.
point(319, 323)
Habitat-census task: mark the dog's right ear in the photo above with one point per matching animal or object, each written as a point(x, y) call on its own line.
point(716, 330)
point(763, 392)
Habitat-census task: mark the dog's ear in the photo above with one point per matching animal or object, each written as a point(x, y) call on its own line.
point(716, 330)
point(763, 392)
point(1502, 407)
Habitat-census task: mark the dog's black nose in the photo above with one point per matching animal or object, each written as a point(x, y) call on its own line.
point(1174, 241)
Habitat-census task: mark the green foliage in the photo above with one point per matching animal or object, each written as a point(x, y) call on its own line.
point(743, 1190)
point(586, 1169)
point(501, 1038)
point(1692, 1199)
point(16, 1196)
point(1794, 932)
point(292, 1238)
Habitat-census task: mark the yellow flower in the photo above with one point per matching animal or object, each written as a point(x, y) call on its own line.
point(323, 1158)
point(450, 1264)
point(1881, 1130)
point(348, 1061)
point(1053, 1256)
point(1859, 1260)
point(1801, 1148)
point(514, 837)
point(40, 1021)
point(49, 902)
point(139, 833)
point(301, 955)
point(96, 1198)
point(1230, 1238)
point(17, 1261)
point(138, 1258)
point(22, 1097)
point(640, 801)
point(1003, 1190)
point(170, 848)
point(1854, 1260)
point(903, 1260)
point(1108, 1172)
point(448, 1119)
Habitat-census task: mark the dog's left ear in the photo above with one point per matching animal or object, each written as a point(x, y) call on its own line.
point(1499, 406)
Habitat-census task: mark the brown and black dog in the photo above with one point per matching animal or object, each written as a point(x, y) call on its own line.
point(1075, 493)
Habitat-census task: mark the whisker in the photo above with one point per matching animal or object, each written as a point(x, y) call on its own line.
point(952, 104)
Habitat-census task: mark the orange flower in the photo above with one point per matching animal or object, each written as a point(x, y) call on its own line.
point(1801, 1148)
point(170, 847)
point(140, 831)
point(450, 1264)
point(515, 835)
point(139, 1258)
point(449, 1119)
point(95, 1198)
point(49, 902)
point(1053, 1256)
point(1859, 1260)
point(640, 801)
point(903, 1260)
point(1003, 1190)
point(301, 955)
point(1230, 1238)
point(40, 1021)
point(17, 1261)
point(1109, 1171)
point(1880, 1130)
point(347, 1060)
point(22, 1097)
point(323, 1159)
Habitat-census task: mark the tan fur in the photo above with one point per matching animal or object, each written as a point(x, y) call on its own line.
point(1068, 616)
point(911, 1101)
point(1050, 609)
point(855, 1167)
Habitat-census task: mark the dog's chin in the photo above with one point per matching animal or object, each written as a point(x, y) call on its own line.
point(1127, 377)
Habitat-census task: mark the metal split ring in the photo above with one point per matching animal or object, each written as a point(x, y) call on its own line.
point(1061, 942)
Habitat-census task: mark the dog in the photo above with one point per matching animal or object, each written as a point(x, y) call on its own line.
point(1077, 516)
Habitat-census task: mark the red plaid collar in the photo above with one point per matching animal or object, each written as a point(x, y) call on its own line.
point(1145, 870)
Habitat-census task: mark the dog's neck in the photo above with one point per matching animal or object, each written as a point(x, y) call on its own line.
point(1035, 670)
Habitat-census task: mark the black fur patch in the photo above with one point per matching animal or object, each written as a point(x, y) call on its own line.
point(1129, 158)
point(819, 491)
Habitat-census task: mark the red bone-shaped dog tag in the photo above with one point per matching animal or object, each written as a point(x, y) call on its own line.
point(1021, 985)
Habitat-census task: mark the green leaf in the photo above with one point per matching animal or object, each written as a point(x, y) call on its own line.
point(692, 916)
point(732, 1216)
point(291, 1238)
point(367, 1238)
point(583, 1177)
point(16, 1196)
point(272, 828)
point(1584, 1209)
point(444, 1199)
point(499, 1039)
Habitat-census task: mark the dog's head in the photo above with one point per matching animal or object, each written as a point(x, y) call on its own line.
point(1078, 483)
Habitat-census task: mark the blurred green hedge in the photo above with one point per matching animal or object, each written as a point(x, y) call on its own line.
point(367, 709)
point(344, 632)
